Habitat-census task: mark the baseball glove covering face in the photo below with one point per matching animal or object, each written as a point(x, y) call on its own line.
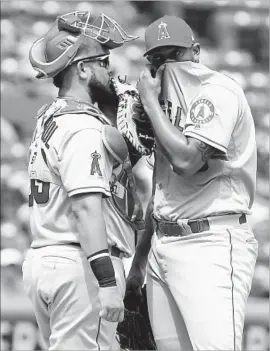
point(132, 122)
point(135, 332)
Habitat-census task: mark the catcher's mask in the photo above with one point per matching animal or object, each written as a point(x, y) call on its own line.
point(53, 52)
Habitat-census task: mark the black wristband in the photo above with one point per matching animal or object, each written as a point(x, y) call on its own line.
point(103, 270)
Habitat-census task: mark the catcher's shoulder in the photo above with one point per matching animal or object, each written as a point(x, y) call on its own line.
point(65, 119)
point(75, 115)
point(78, 121)
point(68, 125)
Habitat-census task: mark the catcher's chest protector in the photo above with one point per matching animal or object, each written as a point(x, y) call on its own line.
point(124, 197)
point(123, 188)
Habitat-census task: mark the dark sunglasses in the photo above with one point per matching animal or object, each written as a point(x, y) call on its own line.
point(103, 60)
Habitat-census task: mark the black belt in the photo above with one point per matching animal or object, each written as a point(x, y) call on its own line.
point(114, 250)
point(167, 228)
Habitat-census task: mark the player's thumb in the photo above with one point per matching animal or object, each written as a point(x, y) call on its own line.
point(183, 224)
point(121, 315)
point(115, 85)
point(160, 73)
point(138, 292)
point(103, 312)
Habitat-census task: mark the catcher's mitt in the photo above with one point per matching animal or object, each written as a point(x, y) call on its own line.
point(132, 122)
point(135, 332)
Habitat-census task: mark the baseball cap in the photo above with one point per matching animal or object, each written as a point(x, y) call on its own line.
point(168, 31)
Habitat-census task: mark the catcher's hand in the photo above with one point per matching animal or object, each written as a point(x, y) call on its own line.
point(135, 332)
point(132, 121)
point(112, 309)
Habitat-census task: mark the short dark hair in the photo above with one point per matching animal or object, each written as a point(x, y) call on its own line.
point(61, 77)
point(170, 47)
point(58, 80)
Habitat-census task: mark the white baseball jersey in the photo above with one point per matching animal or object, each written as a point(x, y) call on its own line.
point(67, 157)
point(210, 107)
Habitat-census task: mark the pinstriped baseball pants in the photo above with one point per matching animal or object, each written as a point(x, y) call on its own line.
point(64, 294)
point(197, 288)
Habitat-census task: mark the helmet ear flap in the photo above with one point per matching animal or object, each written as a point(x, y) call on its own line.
point(38, 56)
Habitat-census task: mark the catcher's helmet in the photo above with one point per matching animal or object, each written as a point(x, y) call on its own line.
point(72, 37)
point(168, 31)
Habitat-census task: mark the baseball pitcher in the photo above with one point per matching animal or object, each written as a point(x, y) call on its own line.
point(203, 251)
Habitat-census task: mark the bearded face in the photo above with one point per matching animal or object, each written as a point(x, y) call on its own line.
point(101, 88)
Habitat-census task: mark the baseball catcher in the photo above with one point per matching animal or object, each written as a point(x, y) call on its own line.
point(83, 205)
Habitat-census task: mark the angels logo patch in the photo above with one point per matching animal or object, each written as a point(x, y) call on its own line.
point(202, 111)
point(162, 31)
point(95, 166)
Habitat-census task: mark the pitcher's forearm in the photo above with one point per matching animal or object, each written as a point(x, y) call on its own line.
point(142, 251)
point(144, 243)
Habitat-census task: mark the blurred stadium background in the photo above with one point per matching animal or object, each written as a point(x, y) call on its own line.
point(235, 40)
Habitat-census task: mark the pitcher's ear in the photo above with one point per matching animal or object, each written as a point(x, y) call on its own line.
point(196, 49)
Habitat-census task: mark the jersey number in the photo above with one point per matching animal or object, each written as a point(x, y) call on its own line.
point(39, 191)
point(167, 109)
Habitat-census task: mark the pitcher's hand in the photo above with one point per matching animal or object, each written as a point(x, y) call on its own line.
point(134, 284)
point(148, 86)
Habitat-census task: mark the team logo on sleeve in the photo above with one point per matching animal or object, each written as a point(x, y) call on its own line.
point(202, 111)
point(95, 166)
point(162, 31)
